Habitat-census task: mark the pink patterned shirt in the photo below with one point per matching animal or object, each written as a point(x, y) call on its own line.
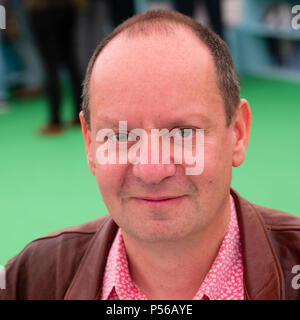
point(224, 281)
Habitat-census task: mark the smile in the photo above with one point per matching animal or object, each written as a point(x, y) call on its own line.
point(159, 200)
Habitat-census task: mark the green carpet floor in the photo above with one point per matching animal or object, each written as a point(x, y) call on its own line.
point(45, 184)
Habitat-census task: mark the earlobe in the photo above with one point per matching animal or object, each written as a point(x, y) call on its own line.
point(241, 129)
point(88, 143)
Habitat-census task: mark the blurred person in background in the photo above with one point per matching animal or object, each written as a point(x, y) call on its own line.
point(53, 24)
point(96, 22)
point(29, 80)
point(3, 89)
point(213, 8)
point(8, 63)
point(121, 10)
point(21, 72)
point(93, 24)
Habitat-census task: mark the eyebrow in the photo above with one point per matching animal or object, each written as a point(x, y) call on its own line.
point(109, 122)
point(189, 119)
point(186, 120)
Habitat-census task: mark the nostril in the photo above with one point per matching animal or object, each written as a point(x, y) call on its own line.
point(153, 173)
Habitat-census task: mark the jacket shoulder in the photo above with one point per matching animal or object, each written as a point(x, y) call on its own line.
point(283, 230)
point(46, 266)
point(278, 220)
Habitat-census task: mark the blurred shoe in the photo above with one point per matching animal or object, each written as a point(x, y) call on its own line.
point(3, 107)
point(26, 93)
point(51, 129)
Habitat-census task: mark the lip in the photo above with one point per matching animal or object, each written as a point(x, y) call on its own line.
point(159, 200)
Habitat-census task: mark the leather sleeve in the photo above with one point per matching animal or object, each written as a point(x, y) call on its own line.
point(44, 269)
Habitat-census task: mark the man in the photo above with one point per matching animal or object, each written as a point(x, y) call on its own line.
point(168, 235)
point(53, 25)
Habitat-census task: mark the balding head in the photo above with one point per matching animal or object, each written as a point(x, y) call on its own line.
point(165, 24)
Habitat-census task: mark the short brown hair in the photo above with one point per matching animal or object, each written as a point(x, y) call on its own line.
point(162, 20)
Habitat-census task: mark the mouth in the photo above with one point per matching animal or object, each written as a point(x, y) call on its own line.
point(160, 200)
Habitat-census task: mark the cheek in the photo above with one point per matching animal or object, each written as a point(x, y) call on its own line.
point(217, 160)
point(109, 179)
point(216, 177)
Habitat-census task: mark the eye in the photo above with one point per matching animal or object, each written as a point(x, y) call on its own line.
point(185, 133)
point(119, 137)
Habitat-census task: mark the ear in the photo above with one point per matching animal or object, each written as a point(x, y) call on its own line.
point(241, 130)
point(88, 143)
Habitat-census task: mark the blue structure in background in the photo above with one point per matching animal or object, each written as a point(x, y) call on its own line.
point(3, 88)
point(251, 50)
point(19, 61)
point(32, 71)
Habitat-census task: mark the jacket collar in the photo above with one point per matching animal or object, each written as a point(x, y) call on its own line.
point(262, 275)
point(87, 282)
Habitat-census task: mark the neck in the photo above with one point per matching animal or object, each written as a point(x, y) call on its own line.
point(175, 269)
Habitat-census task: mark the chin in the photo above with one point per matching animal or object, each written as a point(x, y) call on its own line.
point(156, 231)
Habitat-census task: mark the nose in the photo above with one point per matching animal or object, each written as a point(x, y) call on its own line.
point(159, 164)
point(153, 173)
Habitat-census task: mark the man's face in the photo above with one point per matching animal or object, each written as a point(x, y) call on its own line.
point(158, 82)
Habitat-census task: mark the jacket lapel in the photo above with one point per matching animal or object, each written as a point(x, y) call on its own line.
point(262, 274)
point(87, 282)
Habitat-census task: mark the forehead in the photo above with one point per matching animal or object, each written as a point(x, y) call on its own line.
point(154, 76)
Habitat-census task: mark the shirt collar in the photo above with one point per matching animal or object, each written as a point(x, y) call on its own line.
point(117, 280)
point(225, 277)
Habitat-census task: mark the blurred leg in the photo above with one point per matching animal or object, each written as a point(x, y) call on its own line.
point(42, 25)
point(53, 90)
point(32, 69)
point(67, 48)
point(185, 6)
point(215, 16)
point(3, 89)
point(121, 10)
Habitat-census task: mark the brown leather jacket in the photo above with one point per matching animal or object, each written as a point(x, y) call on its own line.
point(69, 264)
